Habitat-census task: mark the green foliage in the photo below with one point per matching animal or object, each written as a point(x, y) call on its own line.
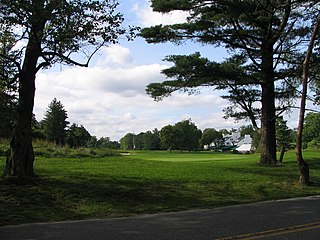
point(77, 136)
point(147, 182)
point(127, 142)
point(311, 127)
point(149, 140)
point(50, 150)
point(283, 133)
point(64, 27)
point(8, 86)
point(171, 137)
point(54, 122)
point(191, 135)
point(183, 135)
point(210, 135)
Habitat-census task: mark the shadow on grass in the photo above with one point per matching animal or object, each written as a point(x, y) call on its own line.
point(58, 200)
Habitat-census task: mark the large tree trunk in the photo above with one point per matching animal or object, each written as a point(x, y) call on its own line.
point(268, 148)
point(20, 158)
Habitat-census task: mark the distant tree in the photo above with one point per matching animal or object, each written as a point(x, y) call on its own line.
point(224, 131)
point(93, 142)
point(311, 128)
point(210, 135)
point(171, 137)
point(151, 140)
point(77, 136)
point(139, 141)
point(105, 142)
point(127, 142)
point(37, 130)
point(55, 122)
point(283, 136)
point(45, 33)
point(114, 145)
point(191, 135)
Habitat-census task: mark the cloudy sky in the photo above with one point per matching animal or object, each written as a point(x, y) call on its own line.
point(109, 97)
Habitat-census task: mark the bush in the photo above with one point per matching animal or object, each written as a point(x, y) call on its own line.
point(313, 145)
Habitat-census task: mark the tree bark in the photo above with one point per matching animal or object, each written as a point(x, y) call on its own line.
point(19, 162)
point(268, 149)
point(303, 166)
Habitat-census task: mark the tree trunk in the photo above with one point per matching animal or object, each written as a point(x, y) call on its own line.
point(21, 156)
point(283, 149)
point(19, 162)
point(268, 151)
point(303, 166)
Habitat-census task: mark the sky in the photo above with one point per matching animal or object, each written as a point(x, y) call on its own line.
point(108, 98)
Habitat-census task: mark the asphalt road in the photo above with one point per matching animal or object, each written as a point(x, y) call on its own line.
point(284, 219)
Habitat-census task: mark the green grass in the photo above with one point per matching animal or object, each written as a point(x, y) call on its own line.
point(148, 182)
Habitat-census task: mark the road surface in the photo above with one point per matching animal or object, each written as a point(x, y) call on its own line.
point(283, 219)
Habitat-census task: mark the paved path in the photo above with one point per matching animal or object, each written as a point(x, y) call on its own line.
point(284, 219)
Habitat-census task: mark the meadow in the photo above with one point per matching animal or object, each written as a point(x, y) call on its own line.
point(145, 182)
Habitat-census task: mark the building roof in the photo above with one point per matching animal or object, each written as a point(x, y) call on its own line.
point(244, 148)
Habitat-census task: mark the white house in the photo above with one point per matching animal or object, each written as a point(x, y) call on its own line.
point(243, 143)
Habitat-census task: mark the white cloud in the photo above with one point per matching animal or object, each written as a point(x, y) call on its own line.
point(115, 55)
point(147, 17)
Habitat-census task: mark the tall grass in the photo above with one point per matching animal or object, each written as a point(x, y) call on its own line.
point(148, 182)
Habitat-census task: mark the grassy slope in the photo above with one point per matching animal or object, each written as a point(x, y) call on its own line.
point(148, 182)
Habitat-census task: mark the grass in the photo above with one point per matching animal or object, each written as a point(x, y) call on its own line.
point(148, 182)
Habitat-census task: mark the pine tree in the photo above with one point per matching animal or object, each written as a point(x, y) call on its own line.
point(54, 122)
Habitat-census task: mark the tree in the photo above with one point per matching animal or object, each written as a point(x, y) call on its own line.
point(128, 142)
point(50, 32)
point(262, 37)
point(311, 127)
point(243, 98)
point(77, 136)
point(191, 135)
point(54, 122)
point(171, 137)
point(93, 142)
point(283, 136)
point(303, 166)
point(151, 140)
point(210, 135)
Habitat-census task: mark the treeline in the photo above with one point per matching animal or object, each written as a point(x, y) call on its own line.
point(55, 128)
point(184, 135)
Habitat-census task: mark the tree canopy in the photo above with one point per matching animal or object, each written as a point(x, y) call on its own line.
point(210, 135)
point(40, 34)
point(263, 38)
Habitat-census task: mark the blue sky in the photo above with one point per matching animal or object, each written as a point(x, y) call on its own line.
point(109, 97)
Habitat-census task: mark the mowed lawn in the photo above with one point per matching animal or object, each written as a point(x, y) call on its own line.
point(148, 182)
